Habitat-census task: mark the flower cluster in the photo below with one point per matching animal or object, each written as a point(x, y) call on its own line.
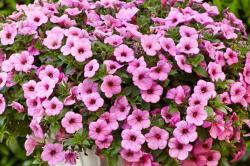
point(157, 82)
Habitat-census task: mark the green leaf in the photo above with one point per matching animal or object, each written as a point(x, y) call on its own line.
point(210, 111)
point(200, 71)
point(196, 60)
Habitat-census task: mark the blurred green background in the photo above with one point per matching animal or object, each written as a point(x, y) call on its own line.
point(11, 148)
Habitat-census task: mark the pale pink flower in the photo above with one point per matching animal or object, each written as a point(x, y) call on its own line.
point(168, 117)
point(104, 143)
point(225, 98)
point(90, 68)
point(153, 94)
point(132, 139)
point(29, 89)
point(219, 58)
point(66, 49)
point(188, 46)
point(45, 87)
point(93, 101)
point(196, 115)
point(111, 85)
point(3, 79)
point(150, 45)
point(71, 157)
point(110, 119)
point(112, 66)
point(2, 104)
point(145, 160)
point(36, 129)
point(37, 18)
point(178, 150)
point(185, 132)
point(135, 64)
point(76, 33)
point(130, 155)
point(205, 89)
point(217, 127)
point(50, 72)
point(157, 138)
point(114, 40)
point(53, 153)
point(53, 106)
point(99, 130)
point(195, 160)
point(161, 71)
point(139, 119)
point(174, 17)
point(81, 50)
point(228, 31)
point(52, 42)
point(213, 158)
point(178, 94)
point(30, 145)
point(215, 72)
point(124, 54)
point(23, 61)
point(142, 79)
point(211, 10)
point(237, 92)
point(8, 34)
point(17, 106)
point(72, 122)
point(120, 108)
point(168, 45)
point(231, 56)
point(190, 32)
point(71, 99)
point(246, 73)
point(126, 14)
point(182, 63)
point(195, 99)
point(87, 87)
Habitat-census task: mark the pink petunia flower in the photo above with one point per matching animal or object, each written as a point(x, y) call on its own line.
point(168, 117)
point(37, 18)
point(23, 61)
point(114, 40)
point(90, 68)
point(3, 79)
point(50, 72)
point(153, 94)
point(81, 50)
point(182, 63)
point(157, 138)
point(195, 160)
point(195, 99)
point(188, 46)
point(178, 94)
point(29, 89)
point(112, 66)
point(142, 79)
point(135, 64)
point(104, 143)
point(53, 106)
point(2, 104)
point(17, 106)
point(205, 89)
point(237, 92)
point(66, 49)
point(110, 119)
point(30, 145)
point(168, 45)
point(185, 132)
point(124, 54)
point(225, 98)
point(121, 108)
point(93, 101)
point(36, 129)
point(45, 87)
point(132, 140)
point(196, 115)
point(52, 42)
point(217, 127)
point(150, 45)
point(178, 150)
point(8, 34)
point(215, 72)
point(99, 130)
point(231, 56)
point(53, 153)
point(71, 157)
point(161, 71)
point(72, 122)
point(111, 85)
point(87, 87)
point(190, 32)
point(213, 157)
point(139, 119)
point(130, 155)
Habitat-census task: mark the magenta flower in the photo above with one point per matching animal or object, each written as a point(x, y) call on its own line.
point(93, 101)
point(135, 64)
point(195, 160)
point(132, 140)
point(72, 122)
point(188, 46)
point(213, 157)
point(142, 79)
point(196, 115)
point(205, 89)
point(90, 68)
point(185, 132)
point(53, 153)
point(215, 72)
point(120, 108)
point(53, 106)
point(153, 94)
point(81, 50)
point(168, 45)
point(30, 145)
point(157, 138)
point(112, 66)
point(160, 72)
point(150, 45)
point(71, 157)
point(2, 104)
point(225, 98)
point(217, 127)
point(45, 87)
point(8, 34)
point(178, 150)
point(231, 56)
point(131, 156)
point(111, 85)
point(139, 119)
point(124, 54)
point(99, 130)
